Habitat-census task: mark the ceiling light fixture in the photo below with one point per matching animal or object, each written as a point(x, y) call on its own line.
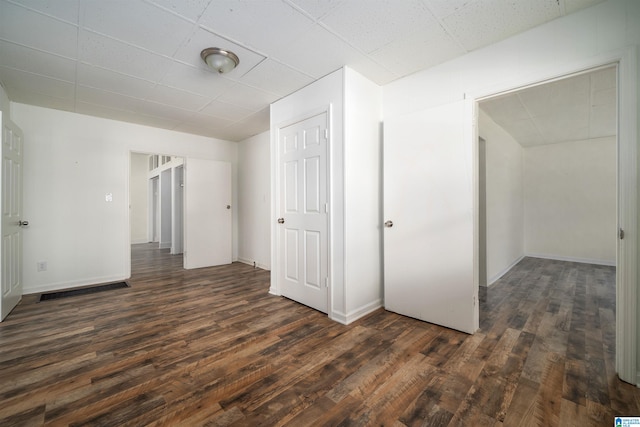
point(219, 60)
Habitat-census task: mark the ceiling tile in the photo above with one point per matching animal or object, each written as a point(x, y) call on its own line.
point(571, 124)
point(563, 94)
point(108, 99)
point(505, 109)
point(178, 98)
point(67, 10)
point(20, 81)
point(275, 77)
point(35, 61)
point(196, 80)
point(603, 79)
point(189, 9)
point(248, 97)
point(164, 111)
point(604, 97)
point(371, 24)
point(416, 52)
point(28, 28)
point(575, 5)
point(253, 125)
point(484, 22)
point(96, 49)
point(525, 132)
point(31, 98)
point(137, 23)
point(202, 39)
point(226, 111)
point(317, 9)
point(444, 8)
point(266, 26)
point(123, 115)
point(603, 121)
point(112, 81)
point(318, 53)
point(204, 125)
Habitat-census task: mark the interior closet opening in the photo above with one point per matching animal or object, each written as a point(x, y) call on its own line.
point(548, 173)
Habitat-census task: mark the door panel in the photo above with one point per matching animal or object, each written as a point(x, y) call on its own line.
point(303, 237)
point(428, 195)
point(207, 213)
point(12, 148)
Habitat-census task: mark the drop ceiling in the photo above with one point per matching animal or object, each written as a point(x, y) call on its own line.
point(139, 60)
point(575, 108)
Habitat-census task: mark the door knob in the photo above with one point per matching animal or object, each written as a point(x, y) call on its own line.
point(23, 223)
point(228, 206)
point(388, 224)
point(280, 220)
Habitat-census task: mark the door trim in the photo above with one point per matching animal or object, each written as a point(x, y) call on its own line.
point(627, 203)
point(274, 288)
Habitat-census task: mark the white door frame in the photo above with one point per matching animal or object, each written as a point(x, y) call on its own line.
point(274, 288)
point(627, 252)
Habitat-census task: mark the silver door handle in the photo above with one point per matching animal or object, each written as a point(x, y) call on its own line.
point(23, 223)
point(280, 220)
point(388, 224)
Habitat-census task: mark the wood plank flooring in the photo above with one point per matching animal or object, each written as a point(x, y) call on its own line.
point(212, 347)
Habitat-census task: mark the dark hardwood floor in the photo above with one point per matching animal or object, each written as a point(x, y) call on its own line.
point(212, 347)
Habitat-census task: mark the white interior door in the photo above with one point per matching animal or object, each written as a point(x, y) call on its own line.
point(303, 229)
point(428, 197)
point(12, 220)
point(207, 213)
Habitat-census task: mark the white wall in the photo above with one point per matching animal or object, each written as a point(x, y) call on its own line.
point(362, 195)
point(570, 201)
point(254, 201)
point(71, 162)
point(139, 198)
point(504, 198)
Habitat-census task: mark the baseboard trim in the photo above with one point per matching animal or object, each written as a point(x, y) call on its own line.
point(74, 284)
point(504, 271)
point(356, 314)
point(251, 263)
point(573, 259)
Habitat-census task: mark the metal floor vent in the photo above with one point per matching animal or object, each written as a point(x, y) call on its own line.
point(83, 291)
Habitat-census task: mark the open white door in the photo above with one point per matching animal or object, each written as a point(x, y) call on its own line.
point(428, 208)
point(12, 221)
point(207, 213)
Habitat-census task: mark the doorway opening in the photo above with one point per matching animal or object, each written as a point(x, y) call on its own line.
point(548, 190)
point(156, 202)
point(548, 172)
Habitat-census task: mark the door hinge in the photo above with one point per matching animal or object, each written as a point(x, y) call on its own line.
point(621, 234)
point(326, 134)
point(326, 208)
point(326, 282)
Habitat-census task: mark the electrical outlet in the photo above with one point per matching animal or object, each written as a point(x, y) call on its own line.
point(41, 265)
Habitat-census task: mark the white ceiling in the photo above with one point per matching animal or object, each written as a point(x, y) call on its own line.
point(572, 109)
point(139, 60)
